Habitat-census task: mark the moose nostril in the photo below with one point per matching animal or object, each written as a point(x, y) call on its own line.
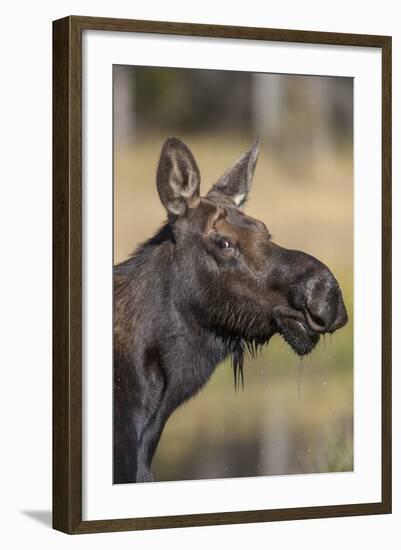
point(318, 320)
point(315, 321)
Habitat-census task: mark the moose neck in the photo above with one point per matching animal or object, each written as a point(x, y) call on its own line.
point(146, 283)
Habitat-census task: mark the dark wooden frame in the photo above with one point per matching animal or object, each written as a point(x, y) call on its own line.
point(67, 226)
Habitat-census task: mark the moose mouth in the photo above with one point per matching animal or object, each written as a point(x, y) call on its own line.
point(297, 333)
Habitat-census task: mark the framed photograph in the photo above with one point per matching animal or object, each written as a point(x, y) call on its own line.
point(222, 274)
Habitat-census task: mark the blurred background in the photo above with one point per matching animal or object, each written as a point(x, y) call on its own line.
point(294, 416)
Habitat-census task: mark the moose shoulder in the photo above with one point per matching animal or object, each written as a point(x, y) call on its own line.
point(209, 284)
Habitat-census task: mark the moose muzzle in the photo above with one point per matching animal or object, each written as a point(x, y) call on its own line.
point(314, 303)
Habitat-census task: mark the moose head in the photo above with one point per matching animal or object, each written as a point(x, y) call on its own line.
point(234, 278)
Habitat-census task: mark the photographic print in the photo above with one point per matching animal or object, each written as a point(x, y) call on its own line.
point(233, 274)
point(221, 274)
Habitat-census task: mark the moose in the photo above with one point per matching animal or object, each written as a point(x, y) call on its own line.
point(211, 283)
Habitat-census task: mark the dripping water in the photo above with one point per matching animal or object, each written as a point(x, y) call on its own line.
point(263, 374)
point(299, 381)
point(299, 408)
point(326, 361)
point(332, 410)
point(329, 346)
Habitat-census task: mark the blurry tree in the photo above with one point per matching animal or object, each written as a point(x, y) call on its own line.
point(198, 101)
point(299, 116)
point(124, 105)
point(302, 116)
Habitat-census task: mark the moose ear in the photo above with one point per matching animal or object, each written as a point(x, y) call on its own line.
point(235, 183)
point(178, 177)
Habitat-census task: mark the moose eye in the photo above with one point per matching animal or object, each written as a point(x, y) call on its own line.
point(223, 244)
